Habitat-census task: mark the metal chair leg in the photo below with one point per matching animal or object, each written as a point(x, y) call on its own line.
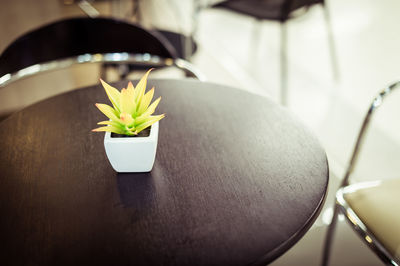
point(329, 237)
point(88, 9)
point(284, 81)
point(331, 41)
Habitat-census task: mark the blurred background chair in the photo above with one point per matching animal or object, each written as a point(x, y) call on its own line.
point(83, 40)
point(111, 45)
point(184, 45)
point(371, 208)
point(281, 11)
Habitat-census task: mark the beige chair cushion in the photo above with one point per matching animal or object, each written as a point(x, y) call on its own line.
point(378, 207)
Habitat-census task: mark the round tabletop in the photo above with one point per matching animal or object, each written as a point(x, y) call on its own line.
point(237, 180)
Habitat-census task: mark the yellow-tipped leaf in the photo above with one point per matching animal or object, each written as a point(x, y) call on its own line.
point(144, 103)
point(111, 123)
point(112, 93)
point(151, 120)
point(150, 110)
point(109, 129)
point(108, 111)
point(126, 103)
point(141, 87)
point(131, 90)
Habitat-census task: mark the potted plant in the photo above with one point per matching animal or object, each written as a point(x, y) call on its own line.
point(131, 134)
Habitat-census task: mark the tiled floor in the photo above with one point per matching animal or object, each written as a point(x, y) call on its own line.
point(235, 50)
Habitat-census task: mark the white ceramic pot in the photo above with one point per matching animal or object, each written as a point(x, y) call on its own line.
point(132, 154)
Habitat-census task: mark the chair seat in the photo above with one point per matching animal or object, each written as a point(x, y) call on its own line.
point(270, 10)
point(265, 9)
point(377, 206)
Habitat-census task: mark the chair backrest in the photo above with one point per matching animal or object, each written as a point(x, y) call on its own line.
point(77, 36)
point(376, 103)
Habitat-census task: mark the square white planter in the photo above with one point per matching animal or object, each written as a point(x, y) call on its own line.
point(132, 154)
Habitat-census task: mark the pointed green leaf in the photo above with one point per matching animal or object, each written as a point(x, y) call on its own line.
point(145, 101)
point(127, 105)
point(111, 123)
point(130, 88)
point(108, 111)
point(150, 110)
point(117, 130)
point(112, 93)
point(141, 87)
point(141, 119)
point(149, 122)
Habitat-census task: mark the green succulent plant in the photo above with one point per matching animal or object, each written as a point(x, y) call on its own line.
point(131, 111)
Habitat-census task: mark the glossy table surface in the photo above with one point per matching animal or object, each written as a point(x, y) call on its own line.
point(237, 180)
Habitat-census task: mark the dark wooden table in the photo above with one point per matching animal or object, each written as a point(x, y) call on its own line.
point(237, 180)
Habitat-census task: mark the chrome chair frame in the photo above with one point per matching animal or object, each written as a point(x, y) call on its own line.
point(357, 224)
point(115, 58)
point(341, 206)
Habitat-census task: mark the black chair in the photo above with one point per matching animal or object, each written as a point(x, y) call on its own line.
point(184, 46)
point(279, 10)
point(371, 208)
point(87, 40)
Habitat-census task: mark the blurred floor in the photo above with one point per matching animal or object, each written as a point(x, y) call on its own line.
point(367, 41)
